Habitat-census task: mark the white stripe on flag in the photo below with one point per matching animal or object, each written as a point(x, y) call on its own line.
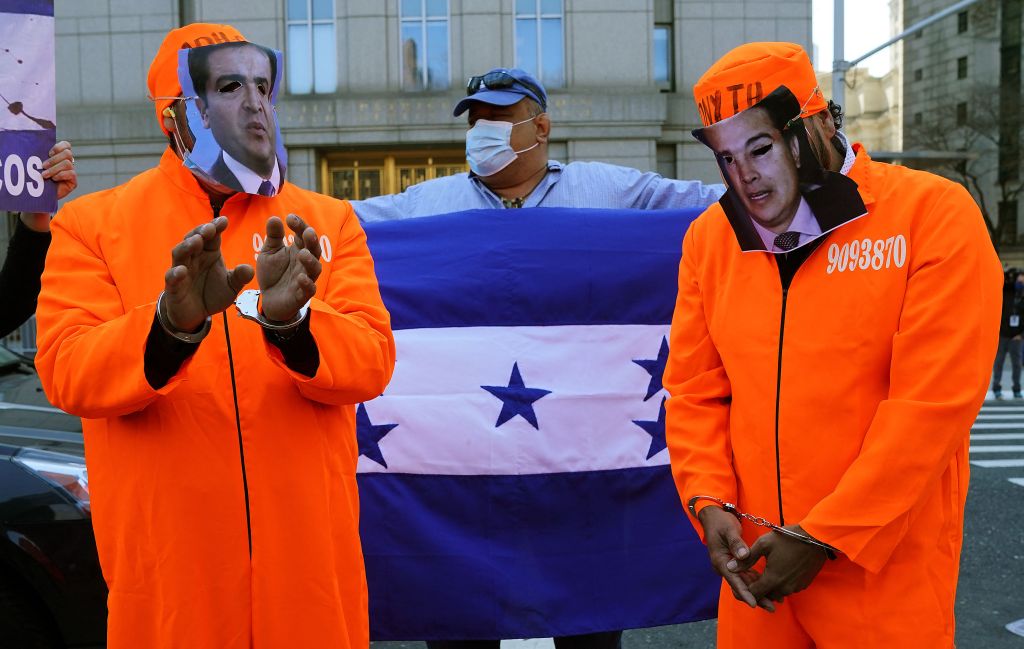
point(446, 420)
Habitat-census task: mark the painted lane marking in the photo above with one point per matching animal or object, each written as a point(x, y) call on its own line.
point(1016, 628)
point(997, 464)
point(1011, 448)
point(995, 426)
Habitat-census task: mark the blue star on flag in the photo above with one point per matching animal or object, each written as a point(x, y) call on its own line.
point(516, 398)
point(656, 429)
point(656, 368)
point(369, 436)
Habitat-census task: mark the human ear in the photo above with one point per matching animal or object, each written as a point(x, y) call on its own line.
point(543, 126)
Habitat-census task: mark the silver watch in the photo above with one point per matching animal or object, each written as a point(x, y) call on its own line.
point(248, 305)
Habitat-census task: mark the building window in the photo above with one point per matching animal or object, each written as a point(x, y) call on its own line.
point(365, 174)
point(539, 40)
point(961, 114)
point(424, 55)
point(663, 69)
point(918, 119)
point(312, 50)
point(961, 22)
point(918, 74)
point(666, 160)
point(961, 67)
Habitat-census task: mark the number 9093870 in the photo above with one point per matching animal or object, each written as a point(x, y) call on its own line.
point(867, 254)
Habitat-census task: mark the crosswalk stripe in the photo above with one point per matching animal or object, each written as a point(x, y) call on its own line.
point(988, 437)
point(994, 448)
point(1017, 481)
point(998, 464)
point(991, 408)
point(987, 417)
point(994, 426)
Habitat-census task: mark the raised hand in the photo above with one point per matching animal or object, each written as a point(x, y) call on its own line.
point(60, 168)
point(198, 284)
point(287, 274)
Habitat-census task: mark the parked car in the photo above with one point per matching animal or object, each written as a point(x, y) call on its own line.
point(52, 592)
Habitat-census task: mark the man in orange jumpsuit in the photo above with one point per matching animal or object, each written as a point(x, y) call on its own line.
point(221, 450)
point(829, 388)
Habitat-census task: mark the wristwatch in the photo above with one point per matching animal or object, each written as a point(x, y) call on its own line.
point(248, 305)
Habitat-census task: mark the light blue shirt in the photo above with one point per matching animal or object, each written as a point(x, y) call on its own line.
point(577, 184)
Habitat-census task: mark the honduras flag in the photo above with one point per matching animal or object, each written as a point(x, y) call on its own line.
point(514, 477)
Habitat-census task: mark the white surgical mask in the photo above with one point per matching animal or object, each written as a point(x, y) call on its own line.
point(489, 148)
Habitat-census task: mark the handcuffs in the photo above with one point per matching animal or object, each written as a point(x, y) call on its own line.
point(248, 305)
point(829, 550)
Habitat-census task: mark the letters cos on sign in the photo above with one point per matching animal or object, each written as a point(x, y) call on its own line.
point(18, 176)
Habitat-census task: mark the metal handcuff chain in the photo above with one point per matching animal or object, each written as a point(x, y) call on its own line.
point(830, 551)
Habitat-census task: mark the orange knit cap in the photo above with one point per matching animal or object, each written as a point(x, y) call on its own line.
point(748, 73)
point(163, 71)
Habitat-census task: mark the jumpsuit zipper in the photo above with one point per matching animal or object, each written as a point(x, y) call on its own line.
point(778, 393)
point(238, 417)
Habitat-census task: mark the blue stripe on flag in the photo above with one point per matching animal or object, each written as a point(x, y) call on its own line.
point(534, 266)
point(463, 557)
point(38, 7)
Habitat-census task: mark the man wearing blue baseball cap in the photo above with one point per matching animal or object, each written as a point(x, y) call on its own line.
point(507, 150)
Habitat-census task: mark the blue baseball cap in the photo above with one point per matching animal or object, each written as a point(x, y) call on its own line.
point(502, 87)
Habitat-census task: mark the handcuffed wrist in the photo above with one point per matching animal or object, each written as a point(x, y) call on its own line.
point(248, 305)
point(184, 336)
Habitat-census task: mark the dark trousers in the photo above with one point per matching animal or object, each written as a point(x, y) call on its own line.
point(1011, 347)
point(604, 640)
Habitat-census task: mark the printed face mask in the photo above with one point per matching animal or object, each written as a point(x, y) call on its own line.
point(233, 89)
point(489, 148)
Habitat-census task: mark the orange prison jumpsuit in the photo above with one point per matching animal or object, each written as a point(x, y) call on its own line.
point(174, 510)
point(879, 376)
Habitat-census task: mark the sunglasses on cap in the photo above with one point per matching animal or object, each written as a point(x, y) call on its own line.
point(502, 81)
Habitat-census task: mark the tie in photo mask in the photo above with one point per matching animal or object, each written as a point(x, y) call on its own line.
point(231, 92)
point(771, 172)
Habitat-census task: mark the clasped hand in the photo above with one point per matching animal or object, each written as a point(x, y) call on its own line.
point(790, 565)
point(199, 284)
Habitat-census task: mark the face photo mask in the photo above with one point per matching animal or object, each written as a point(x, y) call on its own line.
point(237, 139)
point(773, 176)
